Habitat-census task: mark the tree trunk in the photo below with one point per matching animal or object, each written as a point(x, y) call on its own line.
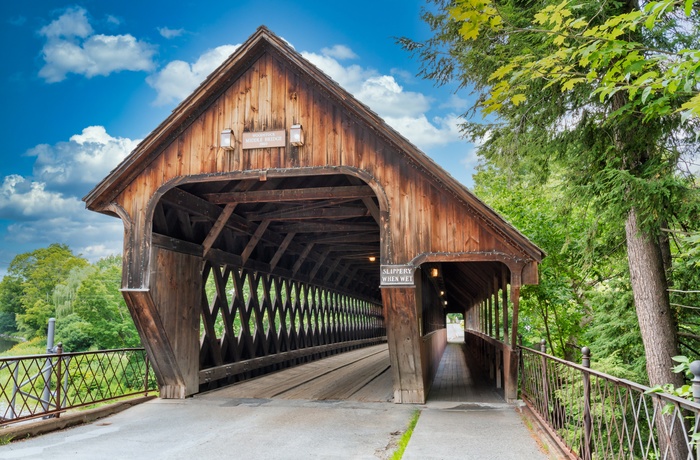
point(654, 313)
point(657, 325)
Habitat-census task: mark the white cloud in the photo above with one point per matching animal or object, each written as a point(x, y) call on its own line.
point(425, 134)
point(389, 99)
point(169, 33)
point(339, 52)
point(72, 23)
point(178, 79)
point(350, 77)
point(71, 47)
point(22, 199)
point(46, 208)
point(82, 161)
point(90, 234)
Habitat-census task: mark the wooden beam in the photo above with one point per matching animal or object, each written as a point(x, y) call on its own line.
point(331, 269)
point(254, 240)
point(347, 237)
point(306, 214)
point(218, 226)
point(158, 346)
point(317, 193)
point(324, 227)
point(302, 258)
point(319, 263)
point(281, 250)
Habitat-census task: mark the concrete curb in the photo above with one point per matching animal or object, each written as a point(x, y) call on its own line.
point(67, 420)
point(547, 443)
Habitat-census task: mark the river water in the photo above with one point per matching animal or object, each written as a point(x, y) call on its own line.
point(6, 344)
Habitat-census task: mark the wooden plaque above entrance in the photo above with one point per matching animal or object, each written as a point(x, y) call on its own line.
point(263, 139)
point(397, 275)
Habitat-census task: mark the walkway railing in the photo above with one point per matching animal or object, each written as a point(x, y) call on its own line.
point(46, 385)
point(597, 416)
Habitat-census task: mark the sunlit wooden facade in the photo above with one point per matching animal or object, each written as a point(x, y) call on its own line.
point(241, 261)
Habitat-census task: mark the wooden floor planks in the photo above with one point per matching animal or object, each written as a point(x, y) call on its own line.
point(337, 377)
point(363, 375)
point(456, 381)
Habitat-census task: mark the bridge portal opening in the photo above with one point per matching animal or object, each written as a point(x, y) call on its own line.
point(289, 271)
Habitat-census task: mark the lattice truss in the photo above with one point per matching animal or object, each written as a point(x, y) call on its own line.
point(248, 314)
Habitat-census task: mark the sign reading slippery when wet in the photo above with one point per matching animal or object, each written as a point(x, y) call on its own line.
point(397, 275)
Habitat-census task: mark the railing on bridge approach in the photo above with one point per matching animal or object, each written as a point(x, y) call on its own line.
point(593, 415)
point(49, 384)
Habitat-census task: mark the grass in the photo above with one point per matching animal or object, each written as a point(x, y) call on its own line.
point(403, 442)
point(4, 440)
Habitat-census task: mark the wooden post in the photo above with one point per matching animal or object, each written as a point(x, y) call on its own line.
point(511, 360)
point(496, 309)
point(504, 293)
point(401, 316)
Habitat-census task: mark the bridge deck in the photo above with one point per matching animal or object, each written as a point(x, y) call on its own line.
point(363, 375)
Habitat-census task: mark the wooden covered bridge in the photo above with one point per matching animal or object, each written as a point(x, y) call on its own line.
point(273, 219)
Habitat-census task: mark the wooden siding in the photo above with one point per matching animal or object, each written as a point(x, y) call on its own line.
point(424, 218)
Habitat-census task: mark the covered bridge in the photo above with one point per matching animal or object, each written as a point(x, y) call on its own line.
point(272, 219)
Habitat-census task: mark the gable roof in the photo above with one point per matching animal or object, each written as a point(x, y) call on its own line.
point(211, 88)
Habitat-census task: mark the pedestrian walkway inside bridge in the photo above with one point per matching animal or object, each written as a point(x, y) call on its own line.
point(337, 407)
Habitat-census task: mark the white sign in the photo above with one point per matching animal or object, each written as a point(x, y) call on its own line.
point(263, 139)
point(397, 275)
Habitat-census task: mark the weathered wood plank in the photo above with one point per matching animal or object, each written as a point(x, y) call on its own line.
point(227, 370)
point(316, 193)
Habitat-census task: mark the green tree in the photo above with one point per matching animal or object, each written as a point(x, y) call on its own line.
point(554, 105)
point(27, 289)
point(100, 304)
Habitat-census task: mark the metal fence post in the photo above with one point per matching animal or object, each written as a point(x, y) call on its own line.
point(145, 381)
point(59, 358)
point(695, 370)
point(48, 366)
point(587, 447)
point(545, 387)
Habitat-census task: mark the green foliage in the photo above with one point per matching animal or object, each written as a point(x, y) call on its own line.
point(647, 52)
point(28, 287)
point(75, 333)
point(85, 299)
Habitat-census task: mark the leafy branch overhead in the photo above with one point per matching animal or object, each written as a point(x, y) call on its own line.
point(608, 54)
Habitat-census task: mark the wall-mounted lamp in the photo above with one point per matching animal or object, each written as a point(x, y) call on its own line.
point(296, 135)
point(445, 302)
point(442, 293)
point(372, 259)
point(226, 141)
point(434, 272)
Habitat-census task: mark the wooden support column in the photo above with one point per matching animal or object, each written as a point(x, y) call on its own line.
point(496, 308)
point(401, 317)
point(504, 293)
point(489, 303)
point(511, 353)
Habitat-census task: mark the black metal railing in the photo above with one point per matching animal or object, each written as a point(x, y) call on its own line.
point(47, 385)
point(593, 415)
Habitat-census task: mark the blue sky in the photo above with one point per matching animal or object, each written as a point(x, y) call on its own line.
point(83, 82)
